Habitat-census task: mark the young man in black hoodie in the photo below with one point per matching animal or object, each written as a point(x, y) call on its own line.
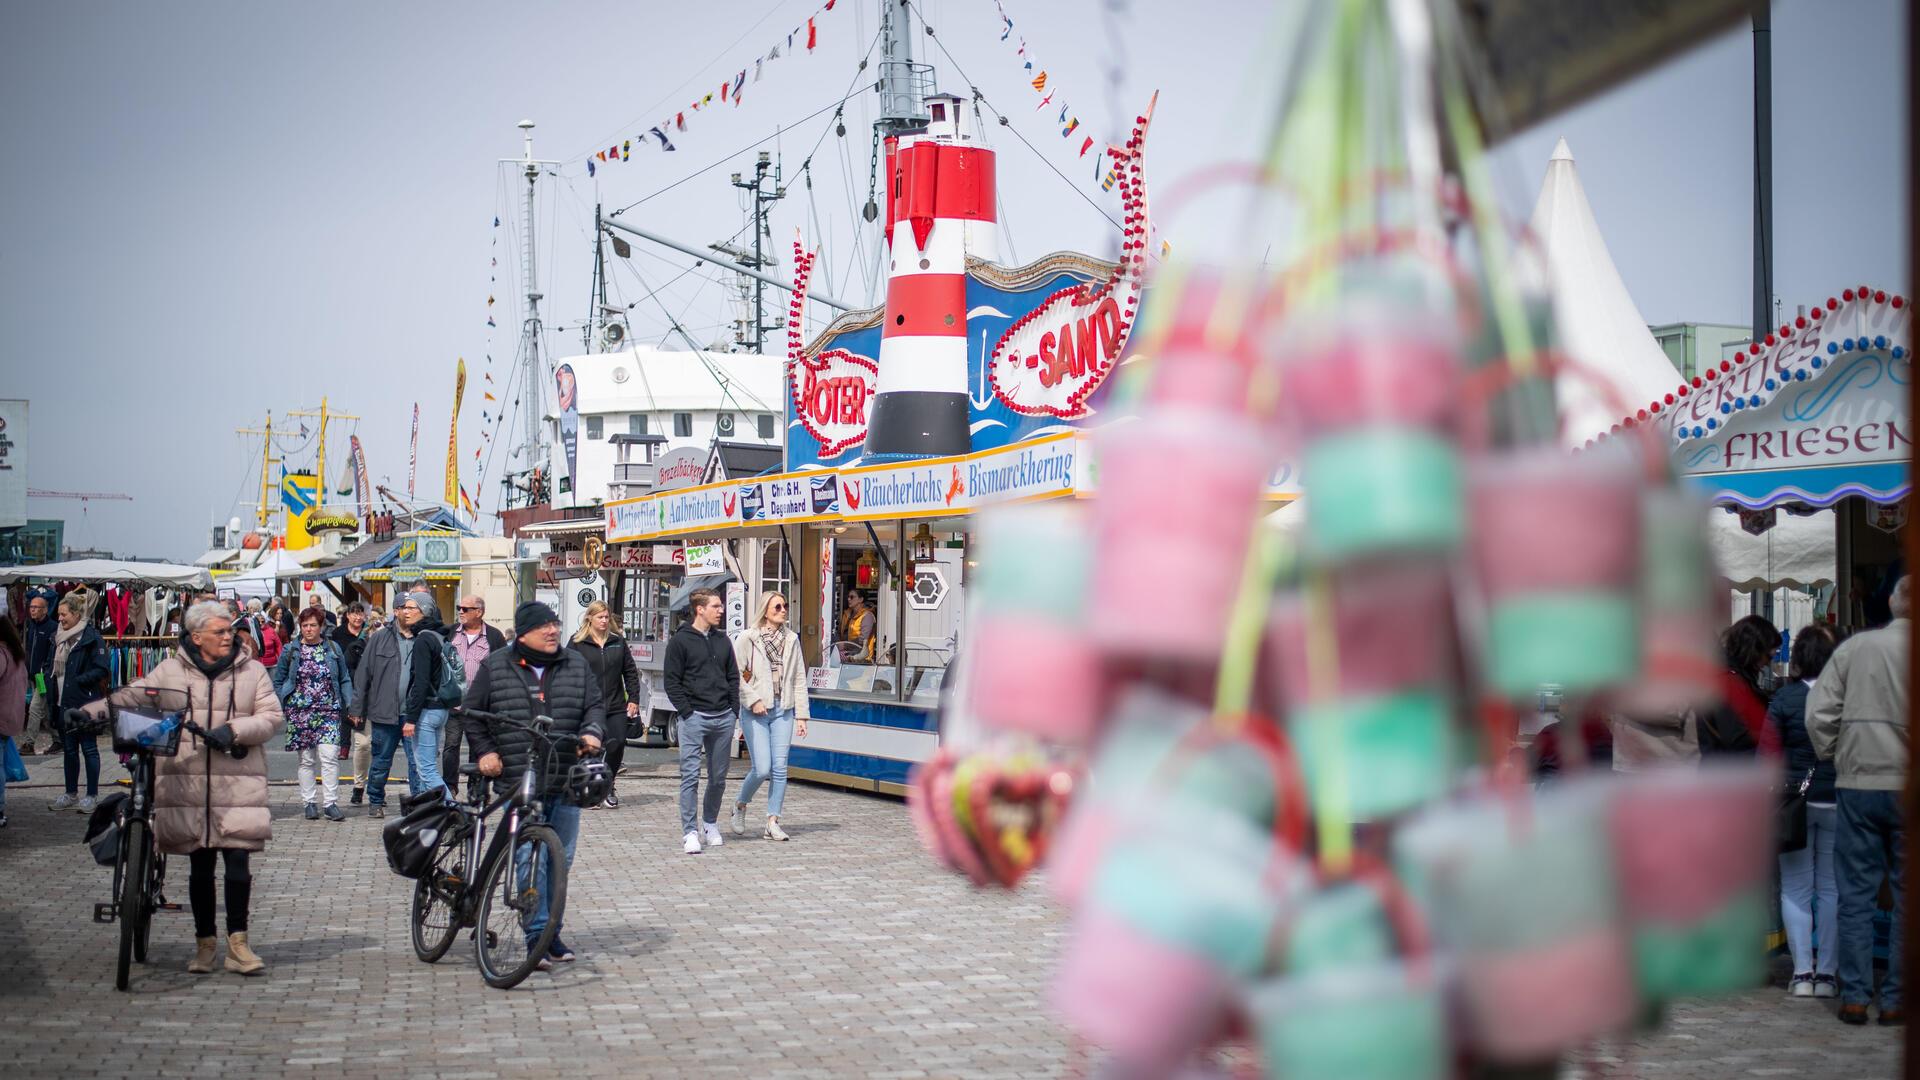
point(703, 683)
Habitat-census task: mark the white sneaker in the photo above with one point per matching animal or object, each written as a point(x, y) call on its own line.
point(710, 832)
point(1801, 986)
point(774, 831)
point(1824, 986)
point(65, 802)
point(87, 804)
point(739, 819)
point(691, 843)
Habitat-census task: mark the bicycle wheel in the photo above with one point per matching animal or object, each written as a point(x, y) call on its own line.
point(511, 901)
point(133, 900)
point(436, 897)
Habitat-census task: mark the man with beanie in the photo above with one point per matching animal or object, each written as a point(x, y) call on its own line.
point(380, 695)
point(423, 717)
point(537, 676)
point(703, 682)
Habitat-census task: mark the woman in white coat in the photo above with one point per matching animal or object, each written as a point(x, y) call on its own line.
point(773, 702)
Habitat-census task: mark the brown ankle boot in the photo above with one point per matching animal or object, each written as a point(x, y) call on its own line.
point(202, 962)
point(242, 960)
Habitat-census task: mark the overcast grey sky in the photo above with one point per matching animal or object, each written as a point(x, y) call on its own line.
point(214, 209)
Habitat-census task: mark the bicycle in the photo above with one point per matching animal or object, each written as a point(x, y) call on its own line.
point(146, 723)
point(495, 903)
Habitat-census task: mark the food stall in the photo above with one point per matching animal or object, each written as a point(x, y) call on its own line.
point(1813, 416)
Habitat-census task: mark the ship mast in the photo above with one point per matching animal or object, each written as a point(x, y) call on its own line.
point(533, 370)
point(267, 462)
point(904, 85)
point(324, 415)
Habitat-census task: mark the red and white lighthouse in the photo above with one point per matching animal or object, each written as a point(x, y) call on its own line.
point(940, 209)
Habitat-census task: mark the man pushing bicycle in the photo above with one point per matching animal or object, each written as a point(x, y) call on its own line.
point(537, 676)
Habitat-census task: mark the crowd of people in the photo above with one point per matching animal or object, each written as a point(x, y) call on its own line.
point(355, 686)
point(1837, 720)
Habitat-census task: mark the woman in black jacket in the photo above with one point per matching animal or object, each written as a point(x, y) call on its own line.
point(612, 663)
point(1809, 892)
point(81, 670)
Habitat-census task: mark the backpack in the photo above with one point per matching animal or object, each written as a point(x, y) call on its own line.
point(453, 675)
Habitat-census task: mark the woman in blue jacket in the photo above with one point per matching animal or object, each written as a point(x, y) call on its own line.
point(1809, 892)
point(81, 671)
point(310, 676)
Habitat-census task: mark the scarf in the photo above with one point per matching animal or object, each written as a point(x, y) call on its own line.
point(212, 669)
point(773, 643)
point(63, 641)
point(534, 656)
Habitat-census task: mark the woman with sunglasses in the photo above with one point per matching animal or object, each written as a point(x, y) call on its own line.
point(612, 663)
point(773, 691)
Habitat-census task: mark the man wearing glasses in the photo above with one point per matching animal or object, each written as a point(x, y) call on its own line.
point(474, 639)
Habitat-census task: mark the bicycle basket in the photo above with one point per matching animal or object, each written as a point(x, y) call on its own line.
point(409, 840)
point(147, 720)
point(103, 828)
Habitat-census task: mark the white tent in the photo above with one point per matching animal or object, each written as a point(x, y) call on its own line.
point(111, 570)
point(263, 578)
point(1798, 552)
point(1600, 328)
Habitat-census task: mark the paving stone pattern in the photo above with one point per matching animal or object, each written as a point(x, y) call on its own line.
point(842, 953)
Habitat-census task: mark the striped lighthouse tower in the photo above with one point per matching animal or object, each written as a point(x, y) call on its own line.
point(940, 209)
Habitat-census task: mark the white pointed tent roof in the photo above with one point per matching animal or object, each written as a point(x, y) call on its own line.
point(1600, 328)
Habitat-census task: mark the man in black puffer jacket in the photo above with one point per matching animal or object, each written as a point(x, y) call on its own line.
point(537, 676)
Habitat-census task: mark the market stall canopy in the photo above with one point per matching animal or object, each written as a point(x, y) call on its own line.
point(263, 578)
point(1600, 328)
point(1797, 552)
point(110, 570)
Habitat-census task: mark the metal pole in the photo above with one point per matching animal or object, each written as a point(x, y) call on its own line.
point(1762, 170)
point(708, 256)
point(1910, 544)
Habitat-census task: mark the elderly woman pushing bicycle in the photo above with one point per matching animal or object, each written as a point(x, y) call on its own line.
point(210, 800)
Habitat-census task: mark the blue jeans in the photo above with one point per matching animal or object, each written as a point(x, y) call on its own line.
point(387, 738)
point(427, 733)
point(711, 735)
point(564, 816)
point(3, 778)
point(74, 747)
point(1868, 847)
point(769, 738)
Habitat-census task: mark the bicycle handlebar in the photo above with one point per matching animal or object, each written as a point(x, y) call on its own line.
point(539, 725)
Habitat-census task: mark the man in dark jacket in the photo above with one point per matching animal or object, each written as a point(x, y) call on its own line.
point(41, 716)
point(703, 682)
point(381, 694)
point(537, 676)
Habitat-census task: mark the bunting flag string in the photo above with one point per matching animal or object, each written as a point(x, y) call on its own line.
point(1044, 83)
point(730, 92)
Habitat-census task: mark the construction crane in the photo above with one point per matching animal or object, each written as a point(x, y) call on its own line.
point(84, 496)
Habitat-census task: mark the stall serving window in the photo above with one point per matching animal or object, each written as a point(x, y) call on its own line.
point(644, 614)
point(893, 613)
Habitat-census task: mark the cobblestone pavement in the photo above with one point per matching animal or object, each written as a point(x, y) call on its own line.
point(843, 953)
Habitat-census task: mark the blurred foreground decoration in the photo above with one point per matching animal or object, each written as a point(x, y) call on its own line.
point(1273, 778)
